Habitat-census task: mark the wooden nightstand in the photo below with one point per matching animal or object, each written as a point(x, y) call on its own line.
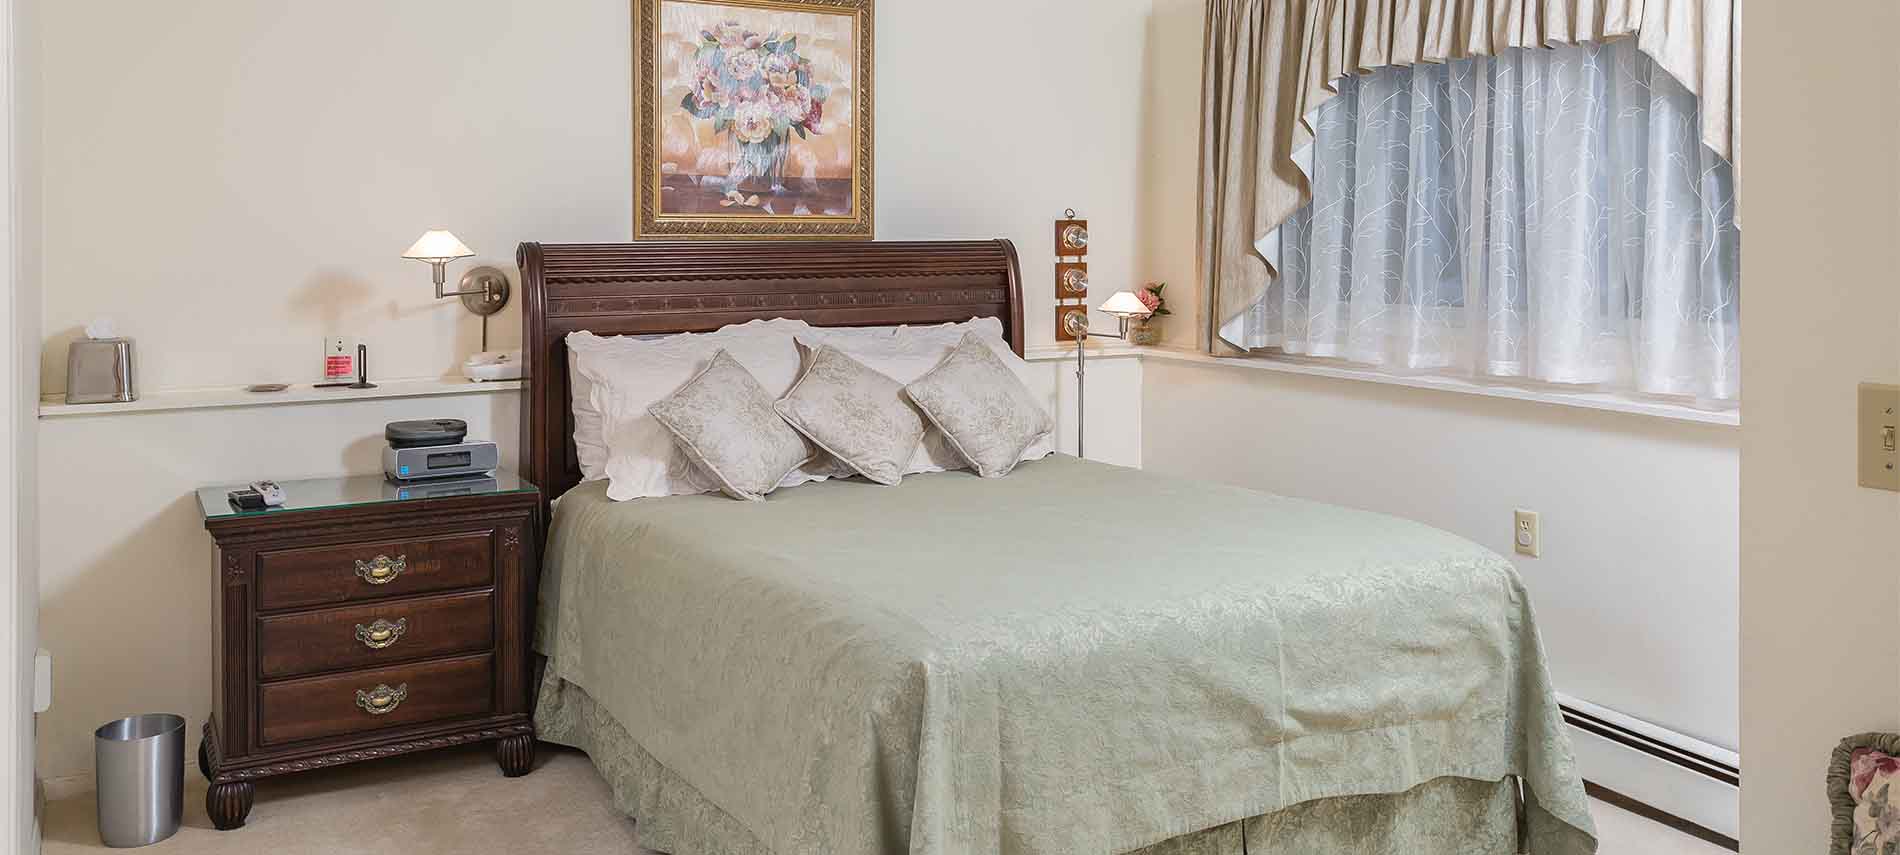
point(367, 619)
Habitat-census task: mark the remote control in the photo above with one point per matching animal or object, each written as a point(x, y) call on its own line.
point(274, 496)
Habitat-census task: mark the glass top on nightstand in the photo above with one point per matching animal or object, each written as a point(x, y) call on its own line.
point(315, 494)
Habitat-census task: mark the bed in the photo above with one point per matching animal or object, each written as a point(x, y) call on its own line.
point(959, 664)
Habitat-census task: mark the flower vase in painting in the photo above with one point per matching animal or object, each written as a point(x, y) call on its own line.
point(757, 92)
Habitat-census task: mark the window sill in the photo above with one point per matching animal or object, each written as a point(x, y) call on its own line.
point(231, 397)
point(1582, 400)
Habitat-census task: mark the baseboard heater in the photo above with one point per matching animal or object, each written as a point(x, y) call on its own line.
point(1651, 771)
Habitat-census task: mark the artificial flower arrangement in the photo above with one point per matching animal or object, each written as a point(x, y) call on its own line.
point(1150, 296)
point(758, 91)
point(1146, 331)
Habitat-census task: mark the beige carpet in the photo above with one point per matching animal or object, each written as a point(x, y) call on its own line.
point(450, 801)
point(456, 801)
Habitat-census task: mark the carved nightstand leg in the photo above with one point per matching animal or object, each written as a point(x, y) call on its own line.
point(515, 755)
point(204, 760)
point(229, 804)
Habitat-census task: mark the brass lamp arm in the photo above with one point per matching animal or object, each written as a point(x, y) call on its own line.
point(1078, 326)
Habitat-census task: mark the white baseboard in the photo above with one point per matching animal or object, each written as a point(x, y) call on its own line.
point(1666, 786)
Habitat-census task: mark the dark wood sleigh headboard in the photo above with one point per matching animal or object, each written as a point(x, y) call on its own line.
point(657, 288)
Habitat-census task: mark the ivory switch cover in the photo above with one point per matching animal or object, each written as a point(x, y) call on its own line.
point(1874, 434)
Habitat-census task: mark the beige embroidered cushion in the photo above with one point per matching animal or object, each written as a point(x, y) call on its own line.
point(989, 416)
point(725, 422)
point(857, 415)
point(907, 353)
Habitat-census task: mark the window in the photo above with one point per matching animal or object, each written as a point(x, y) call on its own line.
point(1546, 215)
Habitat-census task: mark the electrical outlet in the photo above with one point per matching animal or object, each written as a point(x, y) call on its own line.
point(1526, 535)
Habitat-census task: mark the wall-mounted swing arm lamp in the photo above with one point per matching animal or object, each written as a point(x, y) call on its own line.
point(484, 290)
point(1123, 305)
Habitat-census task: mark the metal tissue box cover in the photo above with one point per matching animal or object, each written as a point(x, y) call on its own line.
point(99, 371)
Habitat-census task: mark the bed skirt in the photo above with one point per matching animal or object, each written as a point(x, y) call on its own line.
point(1444, 816)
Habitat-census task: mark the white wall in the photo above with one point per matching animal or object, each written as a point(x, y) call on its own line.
point(234, 180)
point(1821, 555)
point(1636, 589)
point(1170, 161)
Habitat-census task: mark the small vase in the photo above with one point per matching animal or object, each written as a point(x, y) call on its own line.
point(1146, 333)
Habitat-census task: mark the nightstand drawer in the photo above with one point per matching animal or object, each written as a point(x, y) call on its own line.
point(374, 635)
point(372, 700)
point(373, 570)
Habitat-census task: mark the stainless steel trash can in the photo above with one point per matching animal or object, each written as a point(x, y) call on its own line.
point(140, 768)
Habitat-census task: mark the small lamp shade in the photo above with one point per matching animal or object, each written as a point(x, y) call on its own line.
point(1125, 305)
point(438, 246)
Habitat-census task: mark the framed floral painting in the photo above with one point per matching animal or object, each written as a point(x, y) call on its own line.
point(753, 119)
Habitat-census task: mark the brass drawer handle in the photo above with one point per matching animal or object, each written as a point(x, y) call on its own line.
point(382, 700)
point(383, 570)
point(381, 634)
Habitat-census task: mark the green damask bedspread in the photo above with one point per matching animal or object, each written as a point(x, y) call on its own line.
point(1075, 658)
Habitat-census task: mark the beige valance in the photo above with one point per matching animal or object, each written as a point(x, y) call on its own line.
point(1270, 63)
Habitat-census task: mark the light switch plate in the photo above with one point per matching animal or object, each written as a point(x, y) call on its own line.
point(1527, 536)
point(1875, 435)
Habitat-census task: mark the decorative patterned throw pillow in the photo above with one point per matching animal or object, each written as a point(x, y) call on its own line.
point(724, 420)
point(1875, 786)
point(857, 415)
point(990, 417)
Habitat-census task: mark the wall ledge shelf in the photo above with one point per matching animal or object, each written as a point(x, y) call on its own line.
point(1583, 400)
point(235, 397)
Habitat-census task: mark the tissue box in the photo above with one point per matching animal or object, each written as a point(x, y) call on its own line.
point(99, 371)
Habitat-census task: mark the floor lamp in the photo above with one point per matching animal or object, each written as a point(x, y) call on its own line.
point(1123, 305)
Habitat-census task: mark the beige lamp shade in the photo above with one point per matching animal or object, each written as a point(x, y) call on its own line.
point(1125, 304)
point(438, 246)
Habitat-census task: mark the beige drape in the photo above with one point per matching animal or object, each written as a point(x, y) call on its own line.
point(1269, 63)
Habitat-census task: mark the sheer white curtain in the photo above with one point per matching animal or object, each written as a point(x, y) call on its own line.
point(1546, 214)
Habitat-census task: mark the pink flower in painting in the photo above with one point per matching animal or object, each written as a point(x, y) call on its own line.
point(752, 121)
point(792, 103)
point(1149, 299)
point(742, 65)
point(754, 41)
point(1868, 763)
point(781, 71)
point(816, 115)
point(709, 88)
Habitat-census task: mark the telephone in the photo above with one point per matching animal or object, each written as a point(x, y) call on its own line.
point(493, 365)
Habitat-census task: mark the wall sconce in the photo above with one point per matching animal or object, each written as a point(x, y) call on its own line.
point(484, 290)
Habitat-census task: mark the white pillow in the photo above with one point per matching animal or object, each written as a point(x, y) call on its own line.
point(625, 376)
point(590, 437)
point(908, 353)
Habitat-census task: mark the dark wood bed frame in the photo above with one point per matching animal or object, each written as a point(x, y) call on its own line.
point(654, 288)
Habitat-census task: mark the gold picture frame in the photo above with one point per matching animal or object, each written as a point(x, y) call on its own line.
point(753, 119)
